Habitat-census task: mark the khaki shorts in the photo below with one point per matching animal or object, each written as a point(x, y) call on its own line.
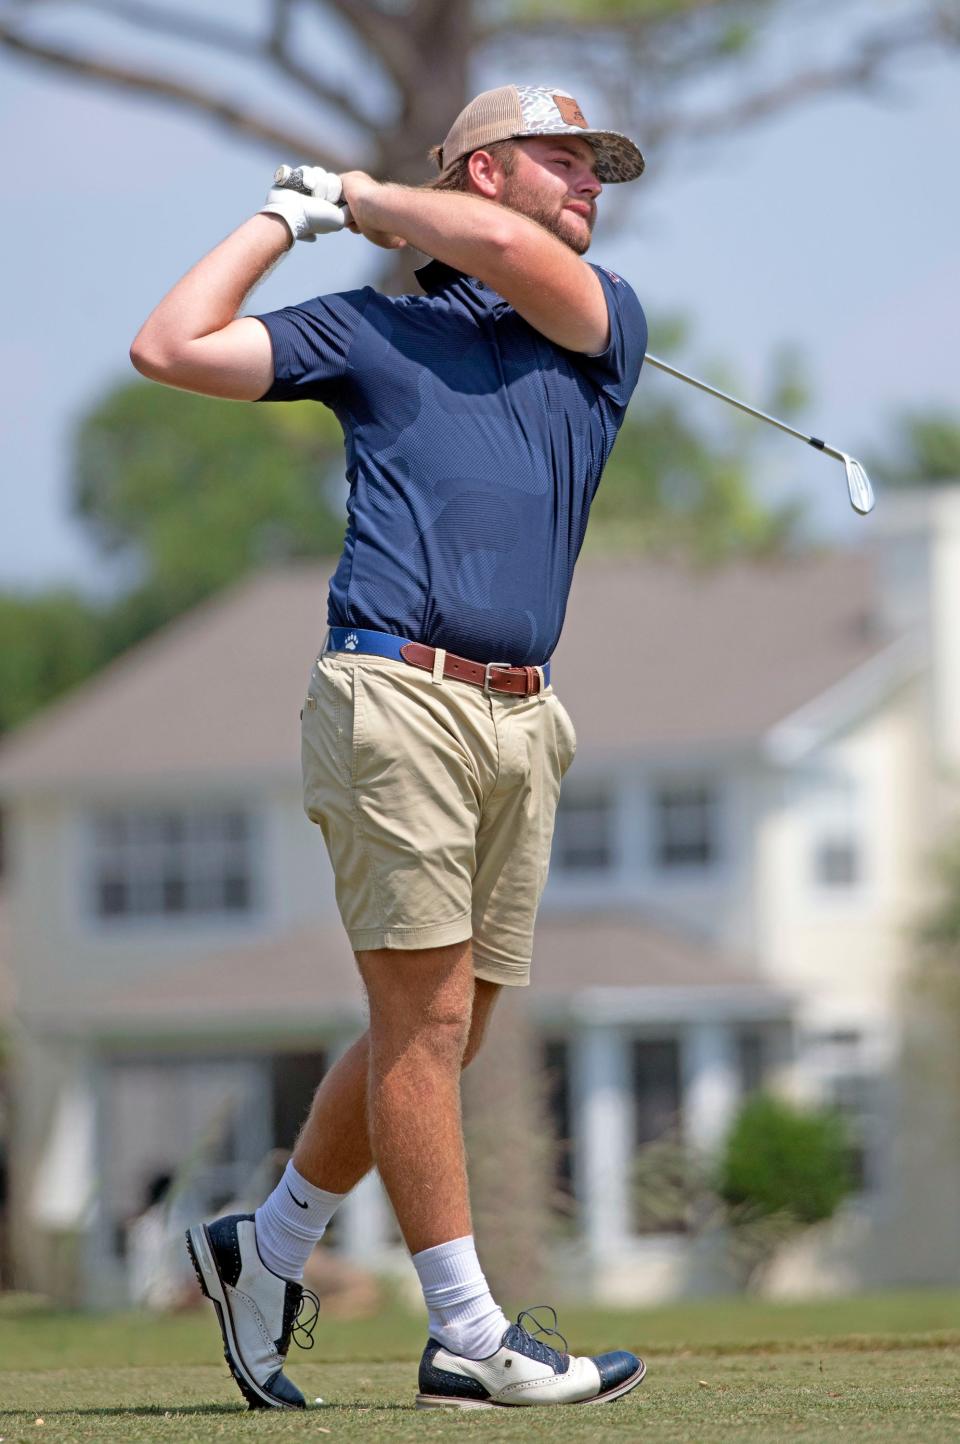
point(437, 804)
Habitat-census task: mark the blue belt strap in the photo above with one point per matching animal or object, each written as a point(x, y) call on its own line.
point(384, 644)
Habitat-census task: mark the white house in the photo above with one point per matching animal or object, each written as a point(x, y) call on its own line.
point(763, 768)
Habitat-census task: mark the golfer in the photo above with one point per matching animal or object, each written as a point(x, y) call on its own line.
point(477, 418)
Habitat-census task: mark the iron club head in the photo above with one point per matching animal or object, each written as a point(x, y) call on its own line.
point(858, 485)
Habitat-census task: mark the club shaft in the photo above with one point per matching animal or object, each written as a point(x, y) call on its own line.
point(741, 405)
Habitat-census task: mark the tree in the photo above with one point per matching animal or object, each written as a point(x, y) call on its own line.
point(48, 643)
point(197, 491)
point(925, 450)
point(674, 488)
point(783, 1169)
point(413, 63)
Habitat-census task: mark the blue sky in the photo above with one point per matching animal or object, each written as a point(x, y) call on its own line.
point(834, 228)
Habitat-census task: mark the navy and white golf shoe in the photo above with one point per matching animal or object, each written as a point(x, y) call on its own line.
point(258, 1311)
point(524, 1371)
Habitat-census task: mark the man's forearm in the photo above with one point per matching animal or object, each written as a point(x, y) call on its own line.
point(211, 294)
point(466, 231)
point(543, 279)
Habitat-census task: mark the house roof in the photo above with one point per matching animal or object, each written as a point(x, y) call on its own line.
point(653, 655)
point(314, 985)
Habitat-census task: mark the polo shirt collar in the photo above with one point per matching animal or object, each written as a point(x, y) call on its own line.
point(437, 276)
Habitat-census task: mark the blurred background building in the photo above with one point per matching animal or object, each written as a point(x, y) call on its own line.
point(740, 852)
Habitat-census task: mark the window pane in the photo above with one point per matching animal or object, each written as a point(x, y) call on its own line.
point(656, 1088)
point(750, 1058)
point(583, 834)
point(660, 1177)
point(837, 863)
point(169, 863)
point(556, 1063)
point(685, 823)
point(111, 898)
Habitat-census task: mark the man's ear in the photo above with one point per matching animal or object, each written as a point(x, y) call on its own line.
point(486, 176)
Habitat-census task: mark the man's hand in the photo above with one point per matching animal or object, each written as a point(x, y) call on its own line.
point(360, 192)
point(310, 206)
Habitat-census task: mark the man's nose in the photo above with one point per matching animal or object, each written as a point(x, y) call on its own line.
point(589, 184)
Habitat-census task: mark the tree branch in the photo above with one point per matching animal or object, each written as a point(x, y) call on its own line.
point(278, 51)
point(297, 145)
point(863, 71)
point(227, 40)
point(182, 26)
point(386, 36)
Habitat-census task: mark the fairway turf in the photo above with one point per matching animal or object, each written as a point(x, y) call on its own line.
point(734, 1371)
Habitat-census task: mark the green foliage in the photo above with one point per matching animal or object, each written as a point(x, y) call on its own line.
point(48, 643)
point(681, 479)
point(938, 930)
point(784, 1161)
point(199, 491)
point(925, 450)
point(672, 490)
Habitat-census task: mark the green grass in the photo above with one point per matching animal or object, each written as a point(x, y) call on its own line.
point(881, 1367)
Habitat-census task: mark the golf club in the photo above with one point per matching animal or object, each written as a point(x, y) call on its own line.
point(858, 483)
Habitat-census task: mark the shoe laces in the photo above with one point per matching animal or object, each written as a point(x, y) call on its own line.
point(543, 1353)
point(305, 1320)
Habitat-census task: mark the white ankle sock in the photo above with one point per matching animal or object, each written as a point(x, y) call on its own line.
point(291, 1221)
point(463, 1315)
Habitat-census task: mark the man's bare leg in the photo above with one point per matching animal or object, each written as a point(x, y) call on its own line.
point(420, 1011)
point(333, 1150)
point(420, 1008)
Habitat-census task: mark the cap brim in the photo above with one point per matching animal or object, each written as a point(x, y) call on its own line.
point(618, 159)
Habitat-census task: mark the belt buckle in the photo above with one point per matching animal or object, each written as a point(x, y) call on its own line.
point(486, 673)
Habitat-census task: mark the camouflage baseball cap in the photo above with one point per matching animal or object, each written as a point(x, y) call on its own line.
point(513, 111)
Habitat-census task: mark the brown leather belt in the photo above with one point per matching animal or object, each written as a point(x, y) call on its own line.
point(491, 676)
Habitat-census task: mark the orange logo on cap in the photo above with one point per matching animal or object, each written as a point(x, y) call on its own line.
point(570, 111)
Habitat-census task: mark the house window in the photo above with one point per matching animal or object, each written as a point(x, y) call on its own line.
point(849, 1084)
point(751, 1061)
point(556, 1076)
point(685, 825)
point(836, 831)
point(660, 1175)
point(583, 839)
point(836, 862)
point(656, 1088)
point(171, 863)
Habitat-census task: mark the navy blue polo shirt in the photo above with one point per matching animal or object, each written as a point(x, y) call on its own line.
point(474, 447)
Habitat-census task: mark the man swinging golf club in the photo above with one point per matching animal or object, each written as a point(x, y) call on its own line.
point(478, 418)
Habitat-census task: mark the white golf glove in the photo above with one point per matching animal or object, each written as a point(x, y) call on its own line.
point(307, 199)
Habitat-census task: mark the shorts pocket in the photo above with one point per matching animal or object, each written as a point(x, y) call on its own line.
point(566, 734)
point(327, 723)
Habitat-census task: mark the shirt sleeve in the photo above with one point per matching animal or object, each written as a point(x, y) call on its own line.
point(311, 346)
point(617, 369)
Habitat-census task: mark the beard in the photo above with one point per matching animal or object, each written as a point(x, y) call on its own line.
point(561, 224)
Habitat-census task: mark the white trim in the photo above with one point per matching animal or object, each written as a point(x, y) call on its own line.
point(820, 719)
point(656, 1006)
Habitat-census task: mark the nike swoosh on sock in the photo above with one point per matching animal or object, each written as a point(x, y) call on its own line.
point(294, 1196)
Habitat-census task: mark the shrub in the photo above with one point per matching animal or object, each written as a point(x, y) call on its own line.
point(782, 1160)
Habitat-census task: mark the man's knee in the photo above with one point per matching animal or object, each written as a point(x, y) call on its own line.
point(484, 996)
point(420, 996)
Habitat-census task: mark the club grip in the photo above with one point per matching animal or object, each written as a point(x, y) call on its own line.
point(291, 178)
